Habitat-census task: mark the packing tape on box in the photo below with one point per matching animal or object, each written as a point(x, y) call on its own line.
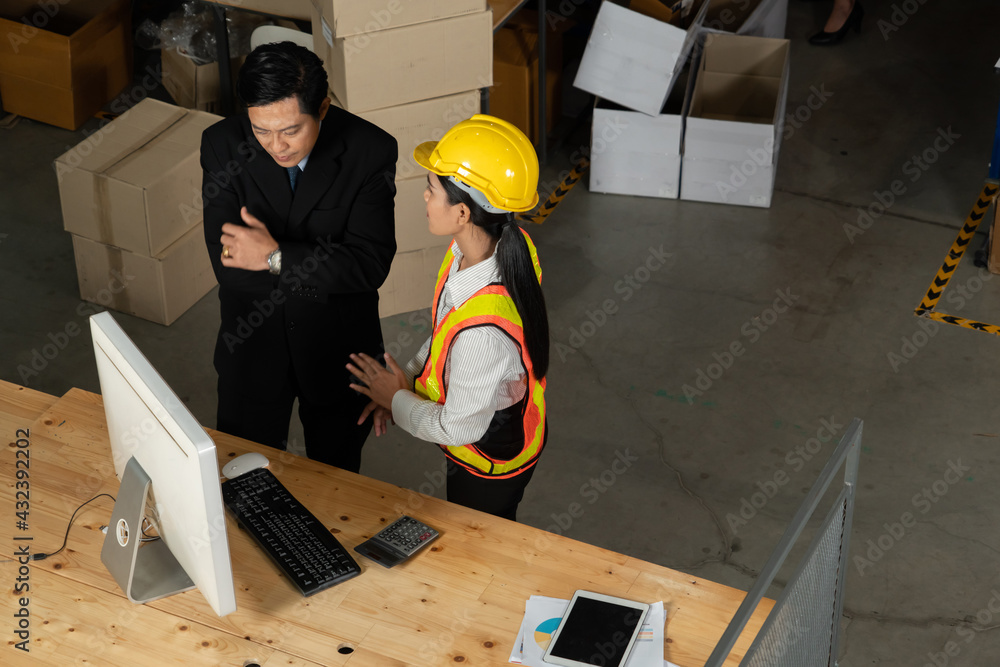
point(951, 262)
point(102, 192)
point(102, 197)
point(558, 194)
point(150, 135)
point(120, 299)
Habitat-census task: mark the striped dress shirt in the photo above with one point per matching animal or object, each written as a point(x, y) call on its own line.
point(483, 373)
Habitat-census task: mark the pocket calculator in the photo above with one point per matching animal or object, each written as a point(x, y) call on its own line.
point(397, 542)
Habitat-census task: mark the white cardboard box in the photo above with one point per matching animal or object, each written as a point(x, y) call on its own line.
point(401, 65)
point(632, 59)
point(759, 18)
point(735, 120)
point(345, 18)
point(159, 289)
point(410, 284)
point(636, 154)
point(417, 122)
point(136, 183)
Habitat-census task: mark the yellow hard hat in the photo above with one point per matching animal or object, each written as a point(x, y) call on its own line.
point(488, 155)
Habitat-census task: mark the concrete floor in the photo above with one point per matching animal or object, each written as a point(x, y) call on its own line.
point(619, 393)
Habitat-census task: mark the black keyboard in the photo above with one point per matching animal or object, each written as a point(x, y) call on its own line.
point(294, 539)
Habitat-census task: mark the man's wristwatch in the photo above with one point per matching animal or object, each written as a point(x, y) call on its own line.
point(274, 261)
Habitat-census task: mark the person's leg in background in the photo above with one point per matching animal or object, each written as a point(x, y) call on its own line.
point(264, 420)
point(332, 433)
point(846, 14)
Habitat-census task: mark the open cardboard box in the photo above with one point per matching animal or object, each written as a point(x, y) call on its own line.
point(735, 120)
point(633, 59)
point(759, 18)
point(636, 154)
point(61, 62)
point(401, 65)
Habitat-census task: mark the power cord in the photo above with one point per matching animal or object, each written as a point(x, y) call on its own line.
point(41, 556)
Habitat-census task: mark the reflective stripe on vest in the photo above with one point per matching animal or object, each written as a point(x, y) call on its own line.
point(491, 306)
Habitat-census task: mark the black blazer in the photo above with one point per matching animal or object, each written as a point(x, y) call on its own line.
point(337, 241)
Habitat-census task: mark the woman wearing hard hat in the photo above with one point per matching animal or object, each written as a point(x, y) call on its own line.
point(476, 387)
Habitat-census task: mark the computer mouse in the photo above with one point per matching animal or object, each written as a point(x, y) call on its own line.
point(245, 463)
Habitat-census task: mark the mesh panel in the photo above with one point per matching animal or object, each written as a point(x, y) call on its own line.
point(799, 630)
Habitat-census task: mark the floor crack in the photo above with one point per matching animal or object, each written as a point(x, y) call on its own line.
point(919, 622)
point(963, 537)
point(723, 535)
point(847, 204)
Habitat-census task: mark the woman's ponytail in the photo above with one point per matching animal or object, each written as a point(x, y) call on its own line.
point(517, 273)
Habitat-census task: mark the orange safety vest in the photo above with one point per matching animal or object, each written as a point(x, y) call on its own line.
point(490, 306)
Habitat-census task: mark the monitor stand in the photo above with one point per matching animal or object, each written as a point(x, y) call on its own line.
point(145, 574)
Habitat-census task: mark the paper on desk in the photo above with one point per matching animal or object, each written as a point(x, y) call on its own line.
point(543, 614)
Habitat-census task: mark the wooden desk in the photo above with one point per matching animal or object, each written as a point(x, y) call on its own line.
point(459, 601)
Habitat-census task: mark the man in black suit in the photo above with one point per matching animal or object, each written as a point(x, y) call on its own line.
point(299, 225)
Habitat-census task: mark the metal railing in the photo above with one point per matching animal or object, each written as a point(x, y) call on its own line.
point(803, 628)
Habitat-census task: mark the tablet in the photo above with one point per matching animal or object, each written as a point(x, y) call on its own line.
point(596, 630)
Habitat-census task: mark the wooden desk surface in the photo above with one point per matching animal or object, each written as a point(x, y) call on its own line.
point(459, 601)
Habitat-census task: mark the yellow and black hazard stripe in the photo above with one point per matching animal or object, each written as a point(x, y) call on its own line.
point(951, 262)
point(558, 194)
point(962, 322)
point(957, 250)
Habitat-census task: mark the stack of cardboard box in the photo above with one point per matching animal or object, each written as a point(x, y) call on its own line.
point(415, 69)
point(131, 198)
point(694, 113)
point(61, 62)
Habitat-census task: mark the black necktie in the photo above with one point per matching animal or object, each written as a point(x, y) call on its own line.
point(293, 175)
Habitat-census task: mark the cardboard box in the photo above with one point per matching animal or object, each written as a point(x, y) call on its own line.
point(633, 59)
point(401, 65)
point(191, 85)
point(60, 63)
point(758, 18)
point(159, 289)
point(410, 284)
point(636, 154)
point(417, 122)
point(345, 18)
point(412, 232)
point(291, 9)
point(514, 95)
point(136, 184)
point(735, 120)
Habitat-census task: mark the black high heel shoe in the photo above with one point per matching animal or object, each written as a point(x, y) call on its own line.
point(823, 38)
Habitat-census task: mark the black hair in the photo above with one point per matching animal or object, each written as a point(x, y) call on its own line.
point(277, 71)
point(517, 273)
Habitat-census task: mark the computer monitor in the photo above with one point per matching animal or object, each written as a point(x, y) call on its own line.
point(158, 446)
